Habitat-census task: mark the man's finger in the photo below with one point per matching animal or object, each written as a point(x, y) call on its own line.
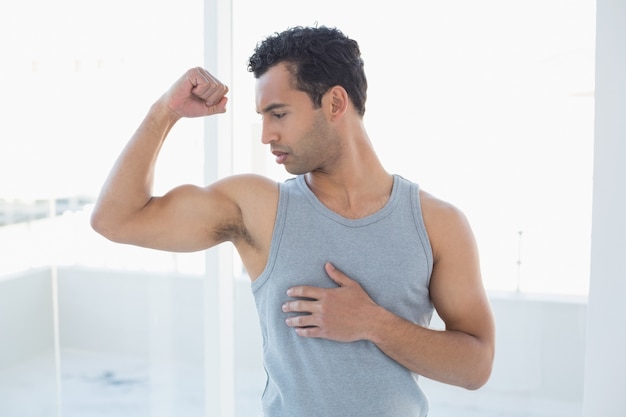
point(336, 275)
point(305, 291)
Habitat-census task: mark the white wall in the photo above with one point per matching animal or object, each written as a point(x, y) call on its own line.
point(606, 345)
point(28, 368)
point(131, 313)
point(132, 326)
point(539, 364)
point(26, 320)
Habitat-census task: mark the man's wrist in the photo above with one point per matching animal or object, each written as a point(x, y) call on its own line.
point(161, 113)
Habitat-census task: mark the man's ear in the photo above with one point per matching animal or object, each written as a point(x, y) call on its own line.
point(338, 101)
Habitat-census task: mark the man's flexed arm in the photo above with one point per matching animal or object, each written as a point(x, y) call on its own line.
point(126, 211)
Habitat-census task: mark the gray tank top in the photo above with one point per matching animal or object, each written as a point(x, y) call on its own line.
point(389, 254)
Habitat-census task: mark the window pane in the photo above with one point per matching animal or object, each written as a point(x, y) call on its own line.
point(76, 85)
point(76, 78)
point(486, 104)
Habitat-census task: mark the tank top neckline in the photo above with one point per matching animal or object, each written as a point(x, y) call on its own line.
point(363, 221)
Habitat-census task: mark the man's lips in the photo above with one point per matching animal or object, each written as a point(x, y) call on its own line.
point(280, 156)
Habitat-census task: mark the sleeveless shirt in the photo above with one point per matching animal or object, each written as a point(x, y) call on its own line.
point(389, 254)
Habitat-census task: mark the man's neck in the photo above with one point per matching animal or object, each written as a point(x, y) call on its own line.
point(354, 194)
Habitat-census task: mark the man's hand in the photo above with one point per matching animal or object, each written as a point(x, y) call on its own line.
point(342, 314)
point(196, 94)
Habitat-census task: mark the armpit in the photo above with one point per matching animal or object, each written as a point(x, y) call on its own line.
point(233, 232)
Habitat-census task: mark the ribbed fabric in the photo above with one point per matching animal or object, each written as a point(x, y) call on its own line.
point(389, 254)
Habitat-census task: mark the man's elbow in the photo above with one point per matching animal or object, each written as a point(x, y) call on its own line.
point(478, 380)
point(104, 226)
point(481, 373)
point(99, 224)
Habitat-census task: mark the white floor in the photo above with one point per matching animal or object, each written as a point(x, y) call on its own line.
point(97, 386)
point(94, 385)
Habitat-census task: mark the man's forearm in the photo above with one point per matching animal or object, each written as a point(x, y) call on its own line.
point(452, 357)
point(128, 187)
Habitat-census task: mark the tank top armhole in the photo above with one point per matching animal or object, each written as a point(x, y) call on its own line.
point(421, 226)
point(281, 211)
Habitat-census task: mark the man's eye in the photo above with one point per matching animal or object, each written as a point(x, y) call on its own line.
point(278, 115)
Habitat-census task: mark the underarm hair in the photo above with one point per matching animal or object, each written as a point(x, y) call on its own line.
point(233, 232)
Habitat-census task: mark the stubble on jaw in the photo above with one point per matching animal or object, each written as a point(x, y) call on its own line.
point(319, 149)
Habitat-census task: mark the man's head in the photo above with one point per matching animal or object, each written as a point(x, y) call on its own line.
point(318, 58)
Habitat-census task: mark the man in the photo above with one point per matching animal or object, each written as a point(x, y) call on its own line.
point(346, 260)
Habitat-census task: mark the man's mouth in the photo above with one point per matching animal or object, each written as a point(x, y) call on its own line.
point(280, 156)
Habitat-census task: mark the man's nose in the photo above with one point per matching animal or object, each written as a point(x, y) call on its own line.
point(268, 135)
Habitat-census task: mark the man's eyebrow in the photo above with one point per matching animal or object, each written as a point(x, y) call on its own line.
point(271, 107)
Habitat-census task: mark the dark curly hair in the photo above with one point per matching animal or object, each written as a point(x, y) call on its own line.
point(318, 58)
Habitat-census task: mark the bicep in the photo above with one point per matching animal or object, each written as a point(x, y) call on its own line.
point(185, 219)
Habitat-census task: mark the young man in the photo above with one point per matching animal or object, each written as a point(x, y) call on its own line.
point(346, 260)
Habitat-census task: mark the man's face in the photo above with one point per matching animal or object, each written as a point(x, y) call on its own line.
point(299, 135)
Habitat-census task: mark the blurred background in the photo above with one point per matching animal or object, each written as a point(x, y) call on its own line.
point(486, 104)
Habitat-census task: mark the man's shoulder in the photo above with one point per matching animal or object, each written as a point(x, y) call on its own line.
point(445, 222)
point(245, 187)
point(436, 206)
point(248, 179)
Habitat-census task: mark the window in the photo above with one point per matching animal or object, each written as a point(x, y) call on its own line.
point(77, 79)
point(486, 104)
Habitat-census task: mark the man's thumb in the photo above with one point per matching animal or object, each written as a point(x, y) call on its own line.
point(336, 275)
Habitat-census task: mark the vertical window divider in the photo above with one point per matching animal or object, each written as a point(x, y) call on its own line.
point(218, 283)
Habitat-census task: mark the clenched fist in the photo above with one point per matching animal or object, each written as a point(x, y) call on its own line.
point(196, 94)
